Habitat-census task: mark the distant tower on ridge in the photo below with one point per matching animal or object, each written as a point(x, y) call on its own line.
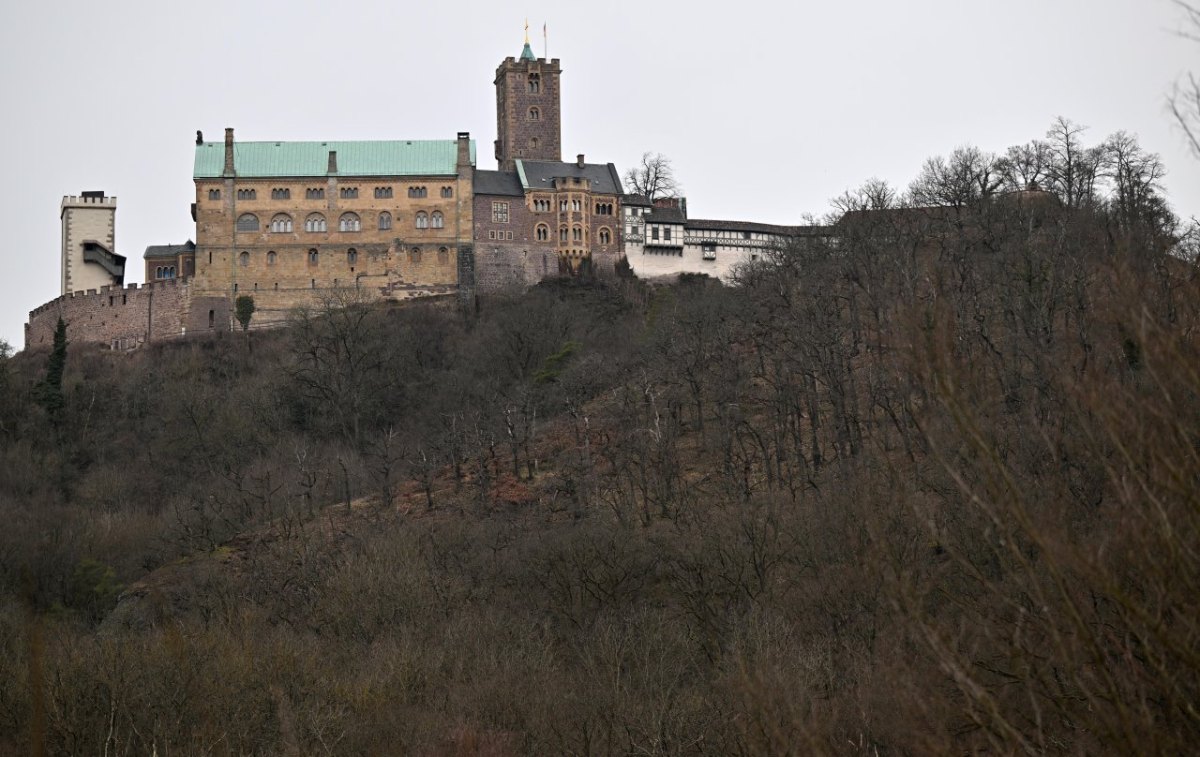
point(89, 258)
point(528, 126)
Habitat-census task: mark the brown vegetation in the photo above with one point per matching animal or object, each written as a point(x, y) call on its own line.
point(931, 488)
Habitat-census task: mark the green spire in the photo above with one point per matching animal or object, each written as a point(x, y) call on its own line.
point(527, 53)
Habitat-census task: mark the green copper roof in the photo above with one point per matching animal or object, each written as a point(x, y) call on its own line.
point(430, 157)
point(527, 53)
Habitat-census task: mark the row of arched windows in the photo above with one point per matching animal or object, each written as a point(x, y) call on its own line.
point(314, 258)
point(281, 223)
point(164, 272)
point(575, 234)
point(346, 193)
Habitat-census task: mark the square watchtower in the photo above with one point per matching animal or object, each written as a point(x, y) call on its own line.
point(528, 125)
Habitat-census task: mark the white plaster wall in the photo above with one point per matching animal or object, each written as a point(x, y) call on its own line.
point(82, 221)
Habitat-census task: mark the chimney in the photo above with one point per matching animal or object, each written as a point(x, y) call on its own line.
point(333, 161)
point(228, 153)
point(579, 160)
point(464, 148)
point(199, 137)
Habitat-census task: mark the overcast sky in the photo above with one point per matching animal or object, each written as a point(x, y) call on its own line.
point(767, 109)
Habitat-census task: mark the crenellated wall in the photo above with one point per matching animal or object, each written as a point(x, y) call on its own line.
point(127, 317)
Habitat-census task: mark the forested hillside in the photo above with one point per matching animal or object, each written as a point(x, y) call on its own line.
point(927, 486)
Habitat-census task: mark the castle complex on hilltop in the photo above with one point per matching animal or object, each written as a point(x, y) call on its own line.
point(288, 222)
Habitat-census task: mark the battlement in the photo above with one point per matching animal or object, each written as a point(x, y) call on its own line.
point(87, 201)
point(167, 285)
point(511, 61)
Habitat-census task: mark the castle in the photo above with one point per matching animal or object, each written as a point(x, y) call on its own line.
point(288, 222)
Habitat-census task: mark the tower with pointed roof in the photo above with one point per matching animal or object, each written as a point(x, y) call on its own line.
point(528, 126)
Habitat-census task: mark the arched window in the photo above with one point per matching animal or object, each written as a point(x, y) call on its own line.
point(562, 234)
point(418, 192)
point(577, 234)
point(271, 258)
point(245, 194)
point(605, 236)
point(385, 221)
point(313, 257)
point(247, 222)
point(281, 193)
point(315, 222)
point(447, 191)
point(443, 256)
point(543, 232)
point(214, 194)
point(436, 220)
point(535, 83)
point(351, 256)
point(244, 259)
point(349, 222)
point(533, 143)
point(422, 220)
point(158, 272)
point(281, 223)
point(535, 114)
point(414, 255)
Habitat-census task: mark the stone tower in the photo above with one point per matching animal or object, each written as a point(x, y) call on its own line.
point(528, 126)
point(89, 259)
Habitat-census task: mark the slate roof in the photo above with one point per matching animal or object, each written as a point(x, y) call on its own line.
point(666, 215)
point(698, 224)
point(537, 174)
point(430, 157)
point(504, 183)
point(169, 250)
point(638, 200)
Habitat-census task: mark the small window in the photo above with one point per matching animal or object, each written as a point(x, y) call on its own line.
point(244, 259)
point(212, 318)
point(281, 193)
point(562, 206)
point(247, 222)
point(385, 221)
point(535, 114)
point(543, 232)
point(351, 256)
point(535, 83)
point(414, 255)
point(314, 193)
point(281, 224)
point(271, 258)
point(666, 233)
point(418, 192)
point(443, 256)
point(214, 194)
point(437, 220)
point(541, 206)
point(577, 205)
point(315, 223)
point(383, 193)
point(447, 192)
point(533, 143)
point(562, 234)
point(314, 257)
point(349, 193)
point(577, 234)
point(349, 222)
point(499, 212)
point(605, 236)
point(245, 194)
point(654, 232)
point(421, 220)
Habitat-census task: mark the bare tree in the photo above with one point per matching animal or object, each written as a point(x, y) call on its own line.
point(1184, 101)
point(653, 177)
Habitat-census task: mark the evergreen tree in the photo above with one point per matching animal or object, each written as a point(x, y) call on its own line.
point(49, 391)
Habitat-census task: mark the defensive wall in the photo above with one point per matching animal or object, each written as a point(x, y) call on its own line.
point(127, 317)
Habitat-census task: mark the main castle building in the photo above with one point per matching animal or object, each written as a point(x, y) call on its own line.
point(290, 222)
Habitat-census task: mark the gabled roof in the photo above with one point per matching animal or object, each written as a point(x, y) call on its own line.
point(169, 250)
point(503, 183)
point(430, 157)
point(538, 174)
point(666, 215)
point(637, 200)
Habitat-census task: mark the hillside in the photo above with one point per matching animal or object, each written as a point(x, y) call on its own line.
point(930, 489)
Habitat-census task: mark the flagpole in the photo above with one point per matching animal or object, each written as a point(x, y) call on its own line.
point(545, 43)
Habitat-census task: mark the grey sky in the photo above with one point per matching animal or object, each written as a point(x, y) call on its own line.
point(766, 109)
